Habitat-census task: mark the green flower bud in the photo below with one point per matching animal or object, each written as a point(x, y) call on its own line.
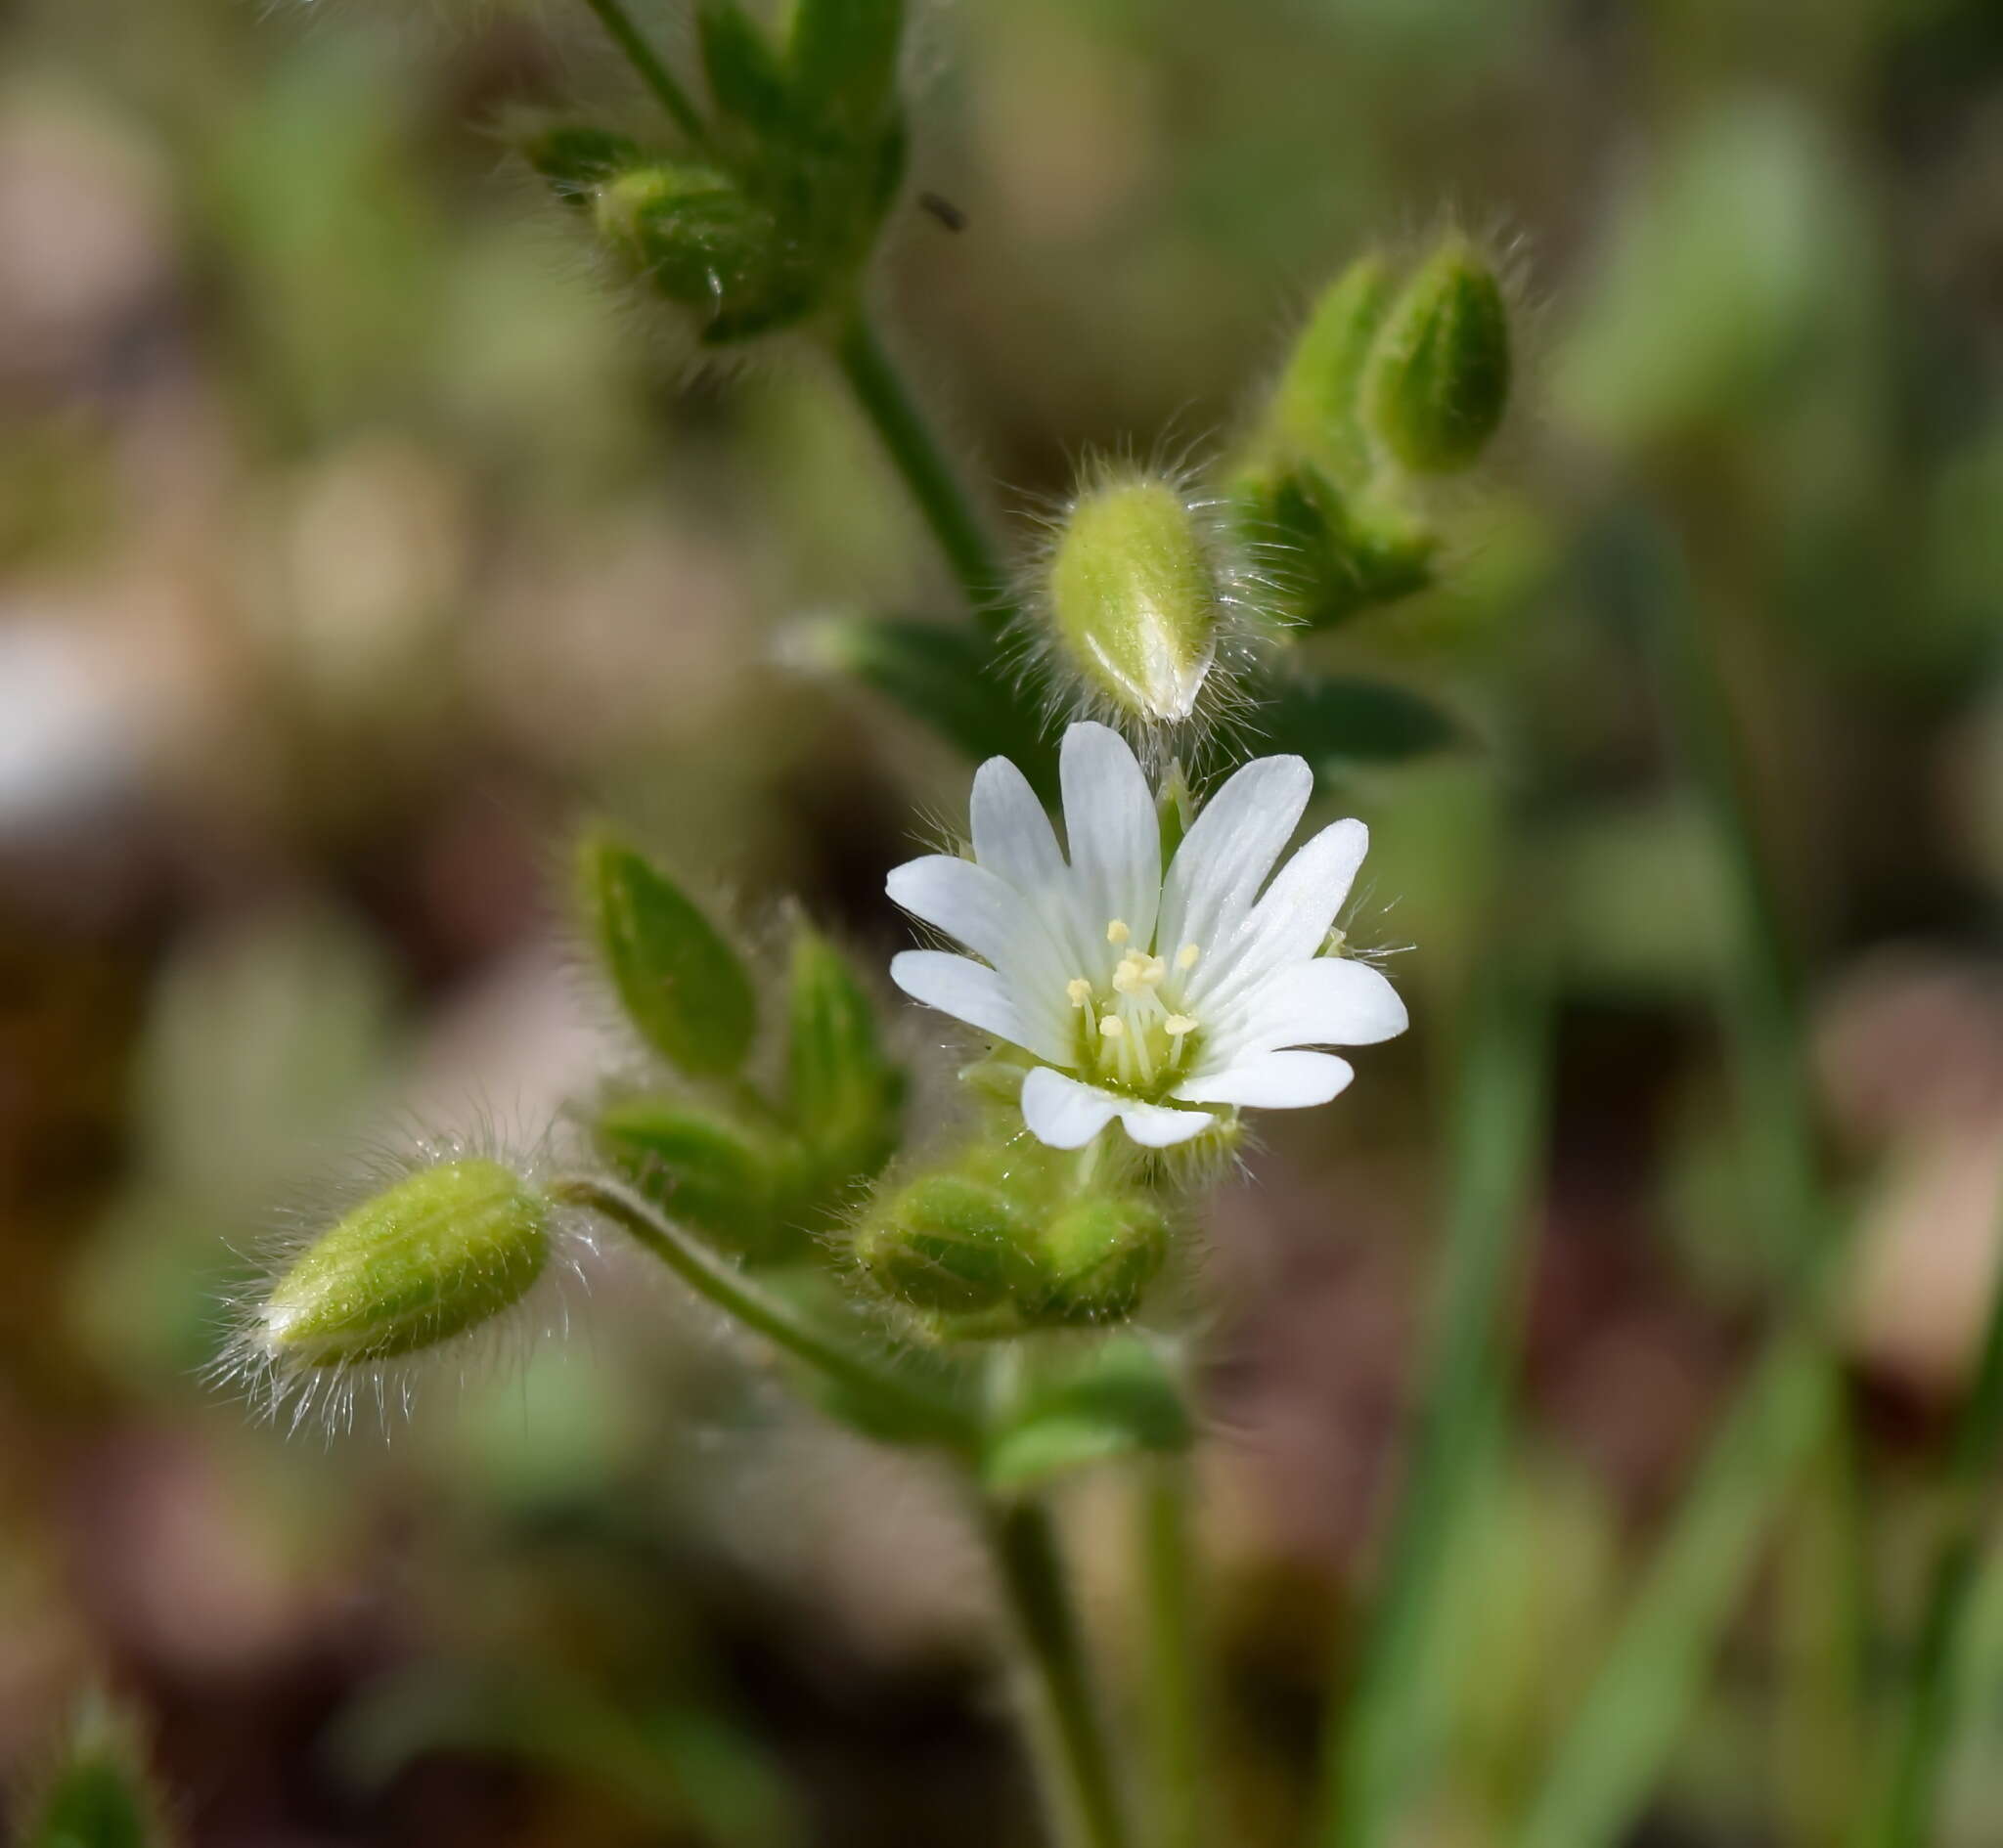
point(847, 1097)
point(707, 1171)
point(702, 242)
point(1133, 599)
point(577, 159)
point(440, 1253)
point(682, 986)
point(1438, 380)
point(1313, 412)
point(951, 1244)
point(1098, 1254)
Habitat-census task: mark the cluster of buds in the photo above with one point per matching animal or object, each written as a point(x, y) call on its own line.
point(1006, 1239)
point(768, 217)
point(1385, 386)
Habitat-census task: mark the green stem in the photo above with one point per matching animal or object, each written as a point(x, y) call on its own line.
point(1607, 1761)
point(723, 1284)
point(647, 63)
point(1905, 1818)
point(1173, 1698)
point(1069, 1728)
point(1378, 1735)
point(935, 486)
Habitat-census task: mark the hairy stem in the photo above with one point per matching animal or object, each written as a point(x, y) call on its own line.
point(648, 65)
point(1174, 1696)
point(942, 498)
point(740, 1296)
point(1069, 1728)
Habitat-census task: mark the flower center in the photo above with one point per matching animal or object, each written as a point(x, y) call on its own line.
point(1132, 1035)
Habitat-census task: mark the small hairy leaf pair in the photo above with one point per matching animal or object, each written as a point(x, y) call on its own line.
point(759, 1178)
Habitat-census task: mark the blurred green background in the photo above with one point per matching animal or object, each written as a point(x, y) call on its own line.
point(355, 535)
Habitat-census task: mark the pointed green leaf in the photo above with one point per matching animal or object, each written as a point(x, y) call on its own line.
point(680, 984)
point(1336, 723)
point(847, 1097)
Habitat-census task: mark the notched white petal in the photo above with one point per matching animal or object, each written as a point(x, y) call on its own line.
point(1111, 828)
point(1012, 836)
point(1231, 847)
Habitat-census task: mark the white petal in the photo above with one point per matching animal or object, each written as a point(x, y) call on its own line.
point(1329, 1002)
point(1115, 839)
point(1273, 1080)
point(1155, 1126)
point(1012, 835)
point(964, 900)
point(970, 991)
point(1229, 850)
point(1062, 1113)
point(1290, 923)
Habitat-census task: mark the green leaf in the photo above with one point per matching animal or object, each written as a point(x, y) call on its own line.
point(680, 984)
point(1120, 1399)
point(707, 1170)
point(1336, 723)
point(745, 75)
point(844, 55)
point(847, 1097)
point(98, 1795)
point(949, 678)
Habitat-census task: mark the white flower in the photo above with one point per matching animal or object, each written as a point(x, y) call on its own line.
point(1146, 997)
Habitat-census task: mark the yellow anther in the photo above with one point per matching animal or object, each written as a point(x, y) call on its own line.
point(1112, 1027)
point(1186, 957)
point(1078, 990)
point(1177, 1025)
point(1155, 970)
point(1136, 972)
point(1117, 932)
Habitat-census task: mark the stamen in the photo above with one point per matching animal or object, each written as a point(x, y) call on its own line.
point(1337, 943)
point(1177, 1025)
point(1112, 1027)
point(1155, 970)
point(1117, 932)
point(1078, 990)
point(1132, 976)
point(1186, 957)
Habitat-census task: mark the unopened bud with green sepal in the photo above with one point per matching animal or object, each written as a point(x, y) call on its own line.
point(1439, 374)
point(98, 1792)
point(1330, 554)
point(846, 1096)
point(699, 239)
point(1312, 416)
point(1135, 598)
point(683, 987)
point(441, 1251)
point(1098, 1253)
point(950, 1242)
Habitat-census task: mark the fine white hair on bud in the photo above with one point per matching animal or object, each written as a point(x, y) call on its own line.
point(1145, 606)
point(455, 1251)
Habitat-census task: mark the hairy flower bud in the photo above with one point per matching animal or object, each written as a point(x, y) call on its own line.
point(697, 237)
point(1438, 380)
point(1134, 597)
point(950, 1242)
point(682, 986)
point(1314, 412)
point(99, 1791)
point(1098, 1254)
point(440, 1252)
point(1329, 555)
